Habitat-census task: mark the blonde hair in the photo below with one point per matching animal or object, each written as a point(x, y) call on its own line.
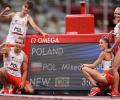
point(21, 38)
point(117, 8)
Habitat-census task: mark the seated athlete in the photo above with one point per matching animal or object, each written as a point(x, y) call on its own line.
point(96, 78)
point(15, 61)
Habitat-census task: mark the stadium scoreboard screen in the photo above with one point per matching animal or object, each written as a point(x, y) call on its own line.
point(56, 66)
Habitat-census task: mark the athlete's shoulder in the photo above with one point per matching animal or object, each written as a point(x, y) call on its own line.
point(24, 55)
point(119, 25)
point(29, 16)
point(13, 14)
point(102, 54)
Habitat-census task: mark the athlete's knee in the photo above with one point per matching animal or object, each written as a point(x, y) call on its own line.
point(84, 68)
point(2, 72)
point(114, 69)
point(31, 90)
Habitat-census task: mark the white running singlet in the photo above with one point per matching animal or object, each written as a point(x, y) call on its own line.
point(18, 26)
point(13, 63)
point(117, 30)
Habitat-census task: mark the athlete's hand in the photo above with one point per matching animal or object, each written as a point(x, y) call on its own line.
point(7, 9)
point(6, 43)
point(111, 32)
point(83, 65)
point(3, 45)
point(21, 85)
point(4, 50)
point(43, 34)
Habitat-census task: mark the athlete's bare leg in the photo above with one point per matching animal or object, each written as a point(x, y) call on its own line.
point(94, 75)
point(115, 67)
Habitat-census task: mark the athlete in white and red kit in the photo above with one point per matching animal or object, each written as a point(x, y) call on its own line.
point(15, 67)
point(19, 23)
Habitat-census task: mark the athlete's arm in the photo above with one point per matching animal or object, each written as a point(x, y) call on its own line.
point(98, 61)
point(24, 70)
point(4, 16)
point(117, 42)
point(4, 50)
point(34, 25)
point(2, 45)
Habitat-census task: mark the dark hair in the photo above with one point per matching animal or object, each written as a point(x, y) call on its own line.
point(106, 41)
point(29, 3)
point(4, 5)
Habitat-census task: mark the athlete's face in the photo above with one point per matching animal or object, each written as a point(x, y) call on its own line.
point(19, 43)
point(103, 45)
point(117, 14)
point(25, 9)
